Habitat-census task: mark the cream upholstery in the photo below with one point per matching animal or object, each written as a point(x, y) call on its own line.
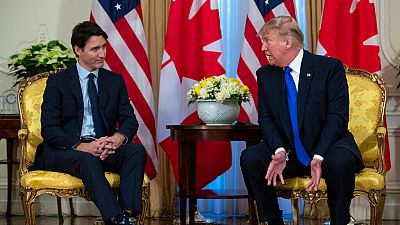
point(35, 183)
point(367, 105)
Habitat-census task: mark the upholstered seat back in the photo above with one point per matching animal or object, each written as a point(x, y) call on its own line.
point(31, 102)
point(366, 99)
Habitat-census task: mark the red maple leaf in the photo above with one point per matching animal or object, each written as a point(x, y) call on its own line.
point(344, 33)
point(186, 40)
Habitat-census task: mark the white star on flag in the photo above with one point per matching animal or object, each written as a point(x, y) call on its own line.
point(118, 6)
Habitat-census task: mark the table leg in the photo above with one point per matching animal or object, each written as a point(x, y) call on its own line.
point(10, 144)
point(192, 181)
point(183, 179)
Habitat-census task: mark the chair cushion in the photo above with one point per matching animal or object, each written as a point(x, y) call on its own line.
point(366, 180)
point(365, 103)
point(40, 179)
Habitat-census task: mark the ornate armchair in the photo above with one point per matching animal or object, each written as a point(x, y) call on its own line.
point(367, 105)
point(36, 183)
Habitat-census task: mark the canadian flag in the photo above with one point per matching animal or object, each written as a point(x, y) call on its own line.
point(349, 32)
point(192, 51)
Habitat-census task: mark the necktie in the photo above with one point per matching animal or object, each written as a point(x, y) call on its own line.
point(94, 103)
point(291, 91)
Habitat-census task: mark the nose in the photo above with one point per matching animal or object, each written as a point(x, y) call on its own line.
point(264, 47)
point(102, 52)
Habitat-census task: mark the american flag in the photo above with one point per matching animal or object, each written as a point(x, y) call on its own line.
point(251, 57)
point(127, 55)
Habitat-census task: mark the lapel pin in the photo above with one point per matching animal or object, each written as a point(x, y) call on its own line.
point(308, 75)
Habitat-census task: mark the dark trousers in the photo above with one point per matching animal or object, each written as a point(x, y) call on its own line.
point(338, 169)
point(128, 160)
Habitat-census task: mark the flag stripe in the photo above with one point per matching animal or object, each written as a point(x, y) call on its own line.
point(124, 54)
point(133, 91)
point(252, 57)
point(127, 55)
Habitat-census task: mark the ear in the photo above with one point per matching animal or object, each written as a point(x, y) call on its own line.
point(289, 43)
point(78, 51)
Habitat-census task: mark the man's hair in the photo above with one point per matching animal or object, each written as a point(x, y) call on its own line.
point(83, 31)
point(286, 26)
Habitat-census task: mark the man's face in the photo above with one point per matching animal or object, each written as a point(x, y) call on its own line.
point(92, 56)
point(274, 47)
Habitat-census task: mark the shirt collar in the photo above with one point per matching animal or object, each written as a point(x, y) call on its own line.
point(83, 73)
point(295, 65)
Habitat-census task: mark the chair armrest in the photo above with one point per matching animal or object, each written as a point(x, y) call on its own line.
point(381, 133)
point(22, 132)
point(22, 135)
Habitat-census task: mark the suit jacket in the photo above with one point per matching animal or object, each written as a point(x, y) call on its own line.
point(322, 107)
point(62, 111)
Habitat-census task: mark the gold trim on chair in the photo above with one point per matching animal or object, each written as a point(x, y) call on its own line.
point(35, 183)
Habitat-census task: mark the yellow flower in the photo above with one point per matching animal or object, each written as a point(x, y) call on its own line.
point(197, 90)
point(244, 88)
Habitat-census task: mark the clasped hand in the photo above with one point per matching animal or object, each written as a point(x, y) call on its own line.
point(278, 164)
point(102, 147)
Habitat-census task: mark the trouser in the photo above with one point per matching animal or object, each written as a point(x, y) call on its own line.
point(128, 160)
point(338, 169)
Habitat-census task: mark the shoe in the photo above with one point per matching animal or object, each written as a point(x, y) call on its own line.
point(120, 220)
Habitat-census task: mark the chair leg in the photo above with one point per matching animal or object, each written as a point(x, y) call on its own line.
point(71, 208)
point(59, 209)
point(377, 209)
point(28, 204)
point(253, 213)
point(295, 210)
point(145, 204)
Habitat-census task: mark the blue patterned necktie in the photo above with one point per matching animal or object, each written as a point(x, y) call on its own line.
point(94, 103)
point(291, 91)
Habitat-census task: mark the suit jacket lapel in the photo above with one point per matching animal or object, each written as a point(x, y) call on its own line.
point(102, 93)
point(306, 75)
point(76, 92)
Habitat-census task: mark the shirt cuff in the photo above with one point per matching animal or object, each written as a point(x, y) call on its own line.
point(318, 157)
point(281, 149)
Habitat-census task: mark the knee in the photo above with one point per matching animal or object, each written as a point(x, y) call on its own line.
point(136, 151)
point(247, 158)
point(341, 165)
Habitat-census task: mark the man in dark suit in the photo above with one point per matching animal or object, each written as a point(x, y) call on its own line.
point(303, 113)
point(82, 107)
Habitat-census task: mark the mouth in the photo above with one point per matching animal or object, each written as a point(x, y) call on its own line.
point(269, 57)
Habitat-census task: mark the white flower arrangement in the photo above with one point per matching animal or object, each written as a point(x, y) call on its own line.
point(219, 88)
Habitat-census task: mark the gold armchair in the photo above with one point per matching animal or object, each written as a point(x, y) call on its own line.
point(367, 105)
point(36, 183)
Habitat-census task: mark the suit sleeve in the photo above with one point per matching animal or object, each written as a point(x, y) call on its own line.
point(128, 124)
point(51, 117)
point(269, 131)
point(336, 123)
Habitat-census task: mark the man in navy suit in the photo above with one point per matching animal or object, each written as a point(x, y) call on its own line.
point(303, 113)
point(82, 107)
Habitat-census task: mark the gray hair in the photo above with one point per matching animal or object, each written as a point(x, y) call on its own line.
point(286, 26)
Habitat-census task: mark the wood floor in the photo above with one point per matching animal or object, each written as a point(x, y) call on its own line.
point(19, 220)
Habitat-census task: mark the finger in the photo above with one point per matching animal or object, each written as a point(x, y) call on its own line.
point(281, 178)
point(309, 184)
point(275, 175)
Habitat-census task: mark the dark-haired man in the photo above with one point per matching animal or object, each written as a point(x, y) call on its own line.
point(303, 112)
point(82, 107)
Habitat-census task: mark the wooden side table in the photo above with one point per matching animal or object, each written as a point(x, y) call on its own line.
point(9, 127)
point(187, 136)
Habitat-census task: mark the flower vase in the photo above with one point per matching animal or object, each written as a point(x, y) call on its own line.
point(216, 113)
